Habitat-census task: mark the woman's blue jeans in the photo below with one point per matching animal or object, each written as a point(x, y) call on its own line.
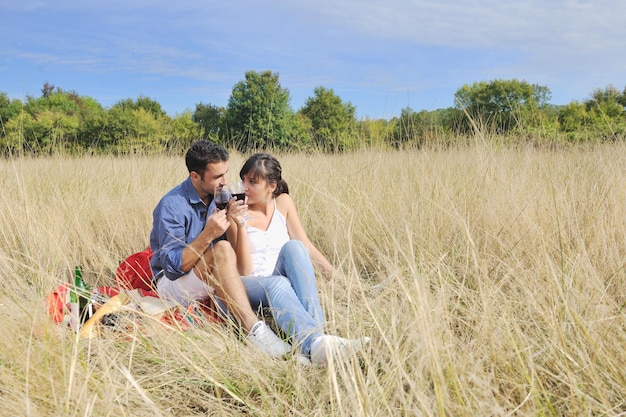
point(291, 294)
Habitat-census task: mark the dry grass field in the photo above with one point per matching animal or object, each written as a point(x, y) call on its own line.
point(491, 281)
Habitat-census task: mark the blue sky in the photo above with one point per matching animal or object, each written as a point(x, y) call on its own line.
point(382, 56)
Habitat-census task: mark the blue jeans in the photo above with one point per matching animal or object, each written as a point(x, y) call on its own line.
point(291, 294)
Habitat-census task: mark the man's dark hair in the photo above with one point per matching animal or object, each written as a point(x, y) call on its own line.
point(204, 152)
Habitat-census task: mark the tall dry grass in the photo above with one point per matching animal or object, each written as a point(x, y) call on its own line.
point(491, 281)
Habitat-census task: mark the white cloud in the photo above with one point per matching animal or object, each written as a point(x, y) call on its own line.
point(351, 46)
point(541, 28)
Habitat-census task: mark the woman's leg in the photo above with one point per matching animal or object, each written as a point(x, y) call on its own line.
point(277, 293)
point(257, 294)
point(294, 262)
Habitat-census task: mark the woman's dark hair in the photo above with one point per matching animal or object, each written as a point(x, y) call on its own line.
point(204, 152)
point(265, 166)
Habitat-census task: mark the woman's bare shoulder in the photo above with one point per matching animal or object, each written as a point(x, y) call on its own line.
point(284, 203)
point(284, 198)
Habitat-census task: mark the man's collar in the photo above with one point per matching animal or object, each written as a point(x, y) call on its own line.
point(190, 192)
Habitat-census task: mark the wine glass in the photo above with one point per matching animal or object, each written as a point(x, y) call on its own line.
point(237, 190)
point(221, 195)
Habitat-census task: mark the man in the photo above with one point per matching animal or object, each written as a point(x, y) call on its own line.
point(191, 260)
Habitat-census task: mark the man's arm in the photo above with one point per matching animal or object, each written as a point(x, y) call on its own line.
point(216, 225)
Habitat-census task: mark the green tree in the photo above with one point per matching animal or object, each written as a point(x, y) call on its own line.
point(12, 139)
point(573, 117)
point(502, 105)
point(182, 131)
point(131, 130)
point(57, 101)
point(136, 126)
point(375, 133)
point(151, 106)
point(8, 108)
point(418, 128)
point(47, 89)
point(333, 122)
point(211, 120)
point(45, 132)
point(606, 111)
point(93, 119)
point(622, 98)
point(407, 129)
point(606, 102)
point(146, 103)
point(258, 114)
point(47, 123)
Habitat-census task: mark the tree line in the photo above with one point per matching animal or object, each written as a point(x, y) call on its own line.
point(258, 116)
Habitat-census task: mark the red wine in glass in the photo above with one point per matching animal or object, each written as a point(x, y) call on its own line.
point(221, 196)
point(238, 190)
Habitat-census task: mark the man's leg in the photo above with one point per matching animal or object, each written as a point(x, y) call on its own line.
point(185, 290)
point(217, 267)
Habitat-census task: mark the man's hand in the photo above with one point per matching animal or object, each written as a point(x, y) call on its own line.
point(216, 224)
point(214, 227)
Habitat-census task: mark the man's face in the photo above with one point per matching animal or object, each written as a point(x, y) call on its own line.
point(214, 176)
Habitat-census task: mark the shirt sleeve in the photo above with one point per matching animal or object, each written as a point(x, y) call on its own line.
point(173, 234)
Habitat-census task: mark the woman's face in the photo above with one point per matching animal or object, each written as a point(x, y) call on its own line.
point(257, 189)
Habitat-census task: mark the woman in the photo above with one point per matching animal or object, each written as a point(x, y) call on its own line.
point(274, 257)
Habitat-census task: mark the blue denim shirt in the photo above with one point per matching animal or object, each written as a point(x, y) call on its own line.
point(177, 220)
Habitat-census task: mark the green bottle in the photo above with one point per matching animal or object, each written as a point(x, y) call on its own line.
point(81, 294)
point(74, 321)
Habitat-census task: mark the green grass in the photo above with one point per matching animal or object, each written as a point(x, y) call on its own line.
point(507, 292)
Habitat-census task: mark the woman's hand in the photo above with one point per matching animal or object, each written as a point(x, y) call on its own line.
point(237, 211)
point(237, 235)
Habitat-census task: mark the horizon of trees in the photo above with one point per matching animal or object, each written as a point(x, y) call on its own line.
point(258, 116)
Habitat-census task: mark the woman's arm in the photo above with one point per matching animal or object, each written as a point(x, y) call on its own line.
point(285, 204)
point(237, 235)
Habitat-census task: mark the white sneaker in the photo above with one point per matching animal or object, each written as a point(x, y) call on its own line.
point(339, 348)
point(302, 359)
point(265, 339)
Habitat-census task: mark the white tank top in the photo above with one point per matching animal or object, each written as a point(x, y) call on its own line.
point(265, 245)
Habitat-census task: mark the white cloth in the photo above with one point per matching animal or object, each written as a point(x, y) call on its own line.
point(184, 290)
point(265, 245)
